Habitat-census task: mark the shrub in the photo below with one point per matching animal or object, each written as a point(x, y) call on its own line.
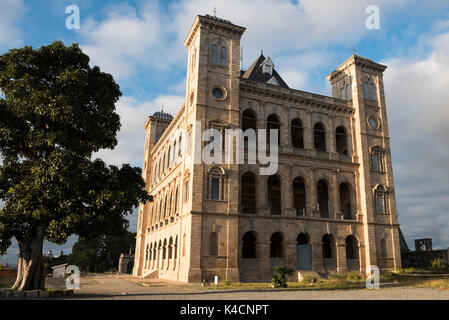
point(309, 279)
point(438, 264)
point(279, 279)
point(228, 282)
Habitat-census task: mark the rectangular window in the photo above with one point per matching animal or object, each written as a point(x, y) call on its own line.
point(215, 189)
point(380, 204)
point(377, 161)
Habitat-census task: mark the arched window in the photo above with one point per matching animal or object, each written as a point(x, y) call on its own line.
point(214, 54)
point(223, 56)
point(276, 250)
point(249, 245)
point(248, 193)
point(352, 251)
point(327, 246)
point(373, 91)
point(176, 247)
point(170, 204)
point(274, 194)
point(377, 156)
point(164, 250)
point(249, 120)
point(165, 207)
point(383, 248)
point(323, 199)
point(174, 151)
point(213, 244)
point(299, 196)
point(180, 146)
point(175, 207)
point(168, 157)
point(273, 123)
point(297, 132)
point(302, 239)
point(147, 252)
point(170, 248)
point(216, 182)
point(348, 92)
point(366, 90)
point(341, 140)
point(345, 201)
point(380, 196)
point(343, 93)
point(319, 137)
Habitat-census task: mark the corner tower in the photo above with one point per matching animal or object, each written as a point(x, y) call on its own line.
point(361, 80)
point(212, 99)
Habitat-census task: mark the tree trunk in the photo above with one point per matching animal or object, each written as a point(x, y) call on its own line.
point(30, 266)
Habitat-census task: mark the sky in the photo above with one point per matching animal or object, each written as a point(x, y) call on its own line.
point(141, 44)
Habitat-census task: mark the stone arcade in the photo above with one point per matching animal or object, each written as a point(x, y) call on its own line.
point(329, 208)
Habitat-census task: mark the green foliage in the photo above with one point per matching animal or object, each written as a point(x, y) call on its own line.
point(439, 265)
point(309, 279)
point(101, 254)
point(55, 112)
point(279, 279)
point(1, 267)
point(348, 276)
point(228, 281)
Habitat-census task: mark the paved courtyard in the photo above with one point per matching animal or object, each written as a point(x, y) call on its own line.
point(127, 288)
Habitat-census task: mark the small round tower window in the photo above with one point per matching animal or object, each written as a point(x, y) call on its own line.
point(373, 123)
point(218, 93)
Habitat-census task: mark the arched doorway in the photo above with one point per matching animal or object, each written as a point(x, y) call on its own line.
point(304, 252)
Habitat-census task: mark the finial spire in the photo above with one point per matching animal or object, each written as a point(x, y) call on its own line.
point(215, 11)
point(353, 50)
point(162, 108)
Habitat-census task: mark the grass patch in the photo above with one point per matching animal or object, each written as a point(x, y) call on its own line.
point(440, 284)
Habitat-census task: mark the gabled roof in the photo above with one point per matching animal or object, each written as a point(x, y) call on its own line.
point(255, 73)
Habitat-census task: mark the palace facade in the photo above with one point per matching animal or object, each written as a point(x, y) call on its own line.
point(330, 207)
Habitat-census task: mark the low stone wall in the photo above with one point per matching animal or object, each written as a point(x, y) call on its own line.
point(8, 273)
point(423, 258)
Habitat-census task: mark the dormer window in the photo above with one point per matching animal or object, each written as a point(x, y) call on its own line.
point(267, 68)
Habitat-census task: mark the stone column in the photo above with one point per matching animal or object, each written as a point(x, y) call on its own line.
point(262, 197)
point(335, 207)
point(312, 209)
point(341, 257)
point(308, 134)
point(264, 261)
point(286, 193)
point(331, 139)
point(317, 256)
point(290, 255)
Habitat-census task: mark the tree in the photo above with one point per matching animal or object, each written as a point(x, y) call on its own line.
point(55, 112)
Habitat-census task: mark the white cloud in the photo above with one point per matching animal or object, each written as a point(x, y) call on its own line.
point(417, 104)
point(131, 137)
point(10, 12)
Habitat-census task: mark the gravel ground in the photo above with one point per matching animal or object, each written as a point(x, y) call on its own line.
point(126, 288)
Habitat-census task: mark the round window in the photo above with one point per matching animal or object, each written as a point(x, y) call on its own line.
point(218, 93)
point(373, 123)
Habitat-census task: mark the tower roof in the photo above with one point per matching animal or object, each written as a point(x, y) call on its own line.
point(256, 73)
point(162, 115)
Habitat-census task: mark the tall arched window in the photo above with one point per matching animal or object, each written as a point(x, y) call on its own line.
point(297, 133)
point(164, 250)
point(213, 244)
point(176, 247)
point(165, 207)
point(248, 193)
point(327, 246)
point(366, 90)
point(273, 123)
point(276, 250)
point(249, 245)
point(274, 194)
point(319, 137)
point(175, 207)
point(214, 54)
point(352, 251)
point(383, 248)
point(323, 199)
point(223, 56)
point(348, 92)
point(249, 120)
point(345, 200)
point(343, 92)
point(373, 91)
point(299, 196)
point(170, 248)
point(168, 157)
point(302, 239)
point(341, 140)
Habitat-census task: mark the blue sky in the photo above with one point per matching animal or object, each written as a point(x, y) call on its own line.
point(141, 44)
